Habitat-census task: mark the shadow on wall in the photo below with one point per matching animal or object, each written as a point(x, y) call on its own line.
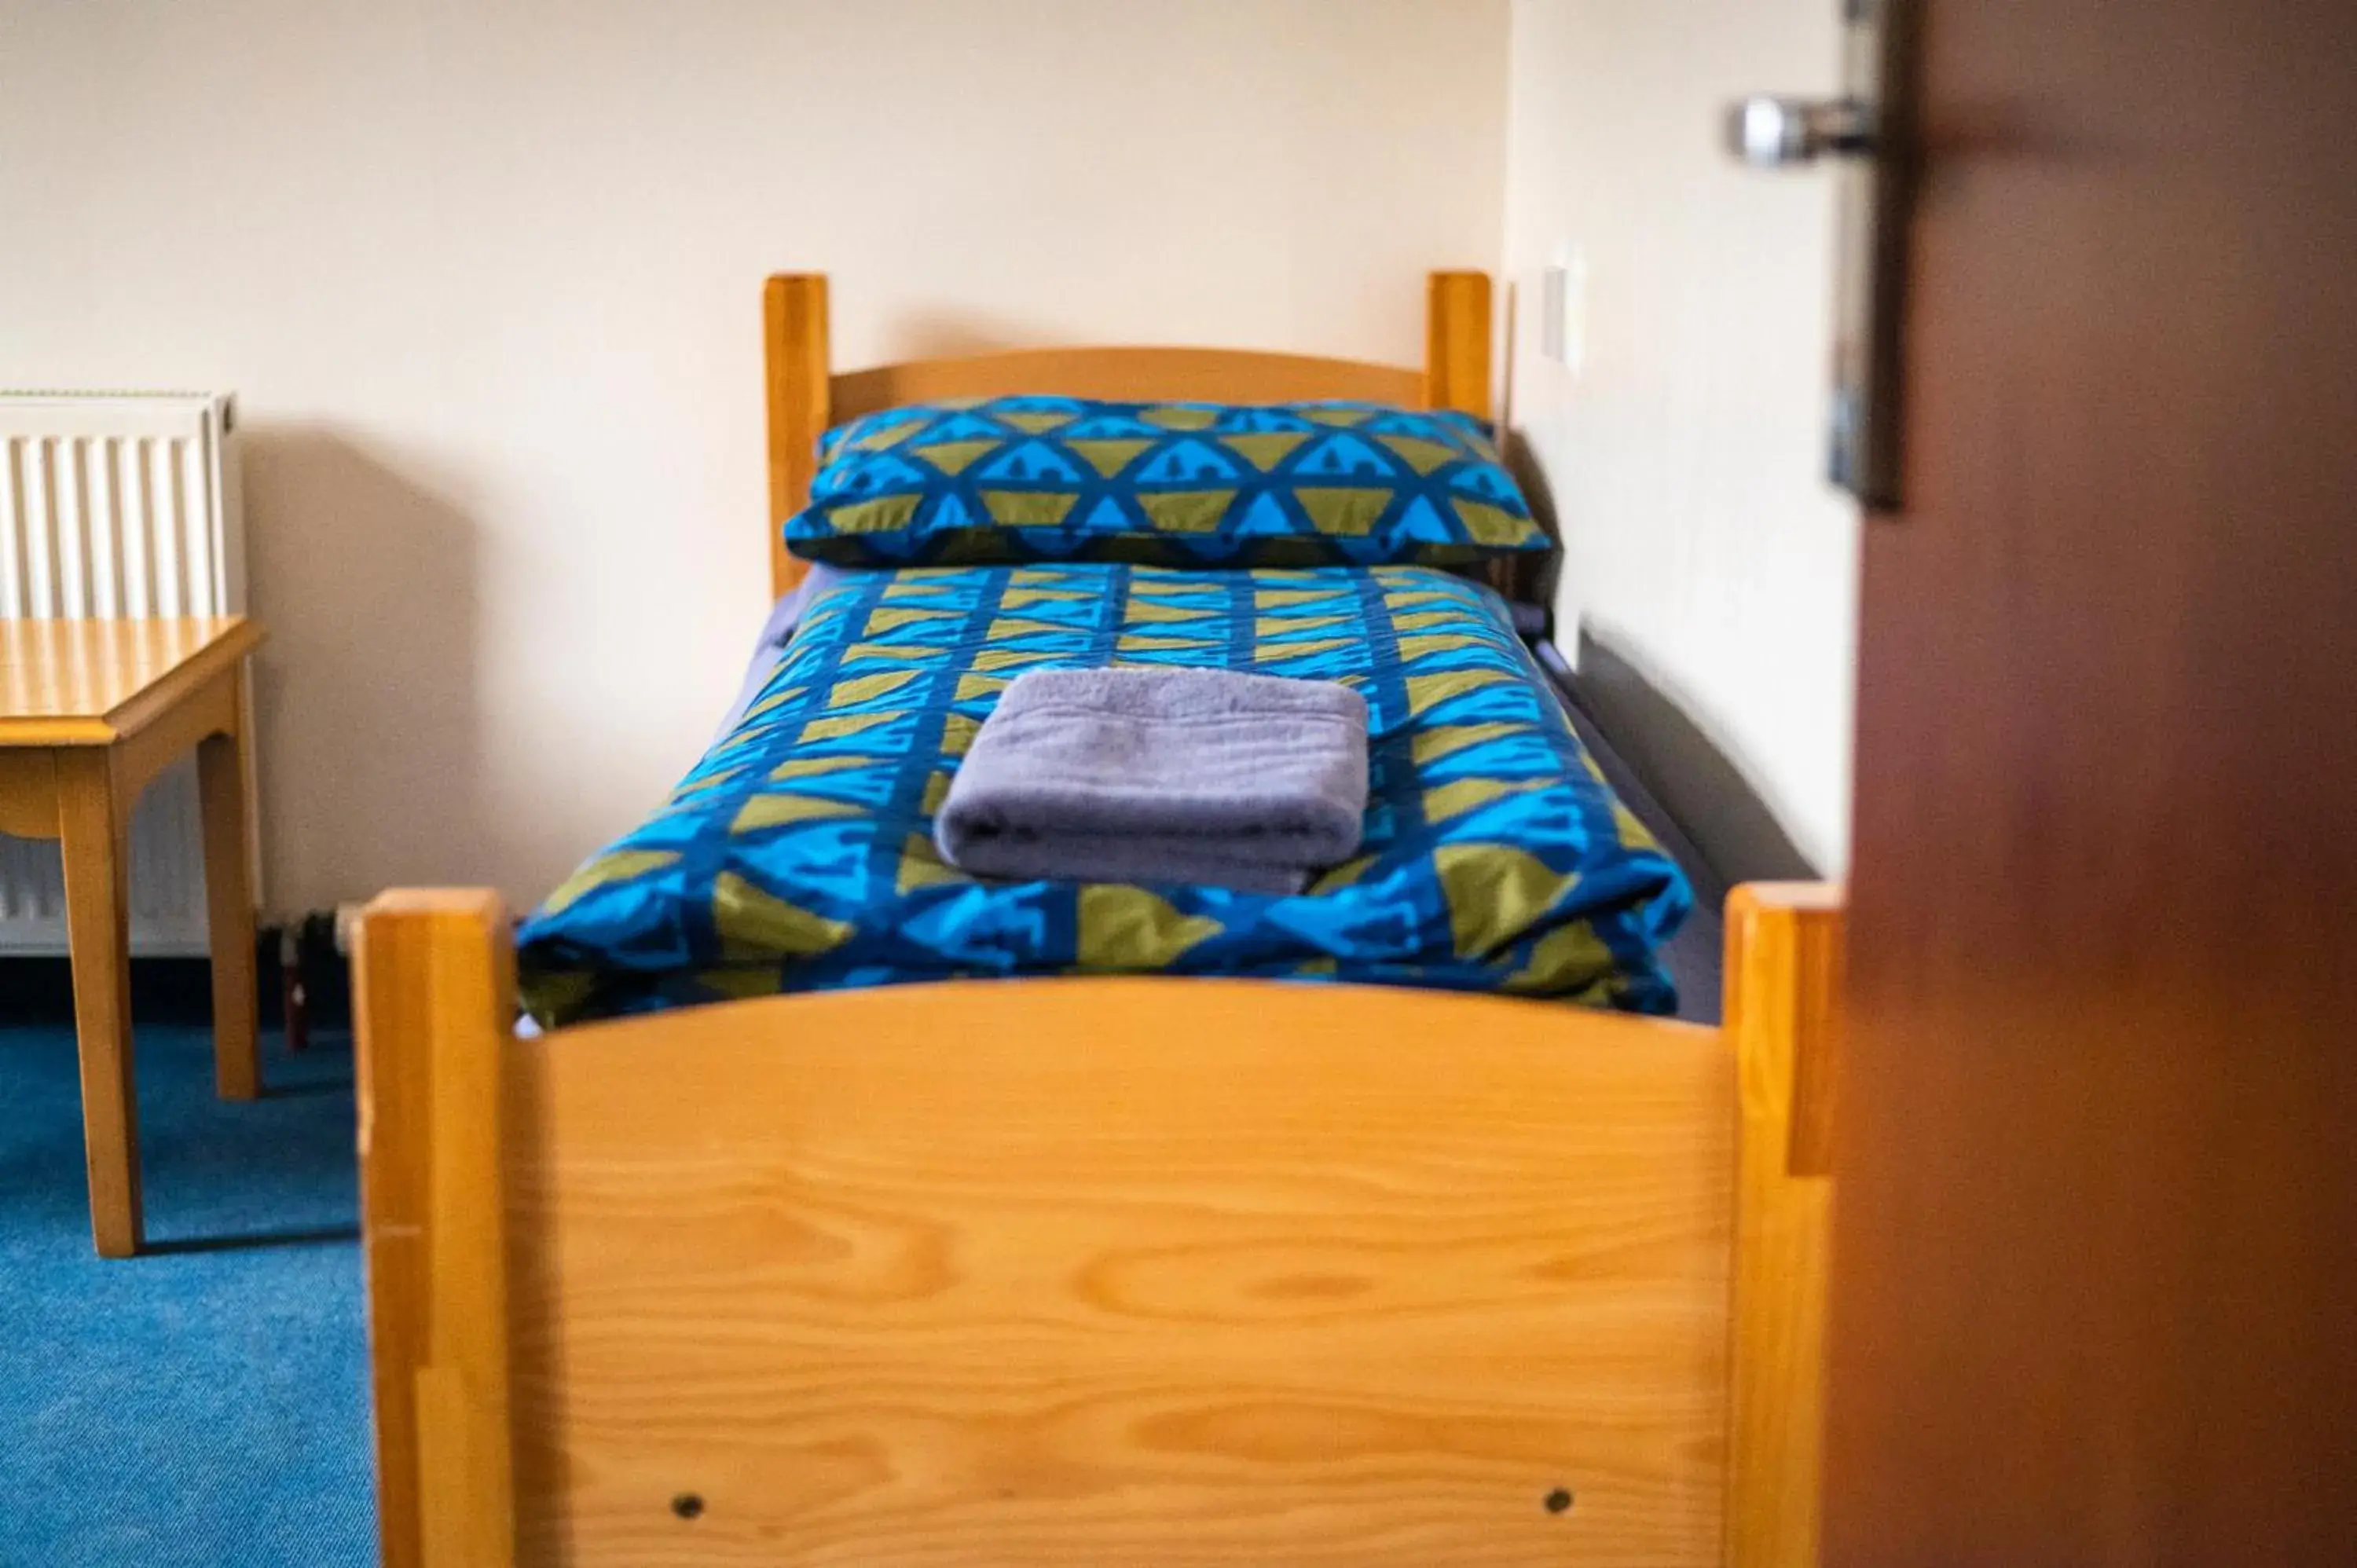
point(1675, 760)
point(1696, 782)
point(367, 577)
point(1534, 582)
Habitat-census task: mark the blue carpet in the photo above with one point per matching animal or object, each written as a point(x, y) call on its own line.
point(208, 1404)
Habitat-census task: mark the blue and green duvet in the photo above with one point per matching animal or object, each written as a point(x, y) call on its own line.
point(799, 855)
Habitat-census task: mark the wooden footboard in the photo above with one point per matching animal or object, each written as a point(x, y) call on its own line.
point(1784, 978)
point(1089, 1271)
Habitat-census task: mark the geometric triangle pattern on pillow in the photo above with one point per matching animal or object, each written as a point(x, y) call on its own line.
point(1049, 478)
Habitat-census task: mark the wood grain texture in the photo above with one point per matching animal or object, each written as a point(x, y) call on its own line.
point(2096, 1247)
point(92, 816)
point(1205, 375)
point(796, 356)
point(90, 712)
point(1459, 328)
point(434, 991)
point(1122, 1270)
point(223, 788)
point(1783, 975)
point(28, 793)
point(204, 705)
point(88, 682)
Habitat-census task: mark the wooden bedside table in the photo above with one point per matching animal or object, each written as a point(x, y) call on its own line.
point(90, 712)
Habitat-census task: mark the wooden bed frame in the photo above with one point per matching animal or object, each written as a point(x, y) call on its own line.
point(1094, 1271)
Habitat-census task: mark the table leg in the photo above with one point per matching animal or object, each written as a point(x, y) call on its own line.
point(96, 856)
point(229, 914)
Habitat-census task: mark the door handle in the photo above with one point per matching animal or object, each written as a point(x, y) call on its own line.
point(1778, 132)
point(1867, 131)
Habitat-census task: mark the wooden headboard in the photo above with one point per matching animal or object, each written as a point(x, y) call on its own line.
point(807, 396)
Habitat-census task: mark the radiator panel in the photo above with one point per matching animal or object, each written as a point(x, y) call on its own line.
point(118, 505)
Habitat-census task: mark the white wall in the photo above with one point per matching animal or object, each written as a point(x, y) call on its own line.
point(485, 278)
point(1706, 556)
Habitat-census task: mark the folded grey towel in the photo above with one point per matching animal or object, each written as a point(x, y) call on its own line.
point(1160, 775)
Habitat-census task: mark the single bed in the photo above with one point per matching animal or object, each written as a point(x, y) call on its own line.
point(1096, 1269)
point(800, 854)
point(1690, 957)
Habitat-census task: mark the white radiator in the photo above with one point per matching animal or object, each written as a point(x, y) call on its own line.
point(118, 504)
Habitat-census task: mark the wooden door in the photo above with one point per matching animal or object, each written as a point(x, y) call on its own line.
point(2095, 1277)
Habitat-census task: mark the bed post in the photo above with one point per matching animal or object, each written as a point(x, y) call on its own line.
point(794, 345)
point(1457, 343)
point(434, 1006)
point(1783, 977)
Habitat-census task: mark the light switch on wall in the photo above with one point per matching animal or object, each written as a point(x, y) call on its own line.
point(1563, 310)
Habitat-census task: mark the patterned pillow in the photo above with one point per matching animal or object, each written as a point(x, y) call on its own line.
point(1185, 484)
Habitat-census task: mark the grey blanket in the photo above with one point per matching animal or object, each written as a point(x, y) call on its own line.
point(1161, 775)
